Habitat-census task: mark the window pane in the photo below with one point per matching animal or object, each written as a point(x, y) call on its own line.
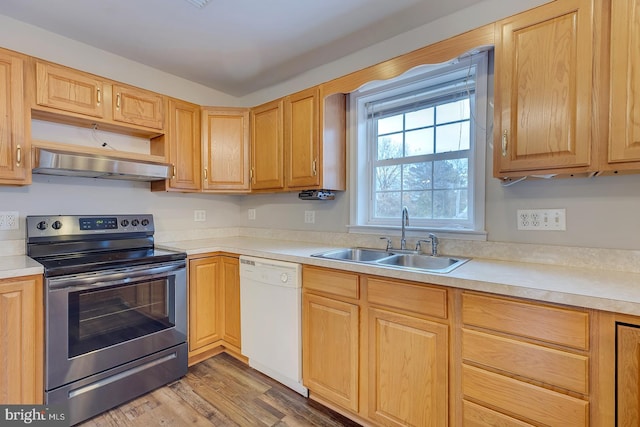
point(451, 173)
point(418, 203)
point(388, 178)
point(419, 142)
point(387, 205)
point(390, 124)
point(450, 204)
point(419, 119)
point(390, 146)
point(453, 137)
point(417, 176)
point(452, 111)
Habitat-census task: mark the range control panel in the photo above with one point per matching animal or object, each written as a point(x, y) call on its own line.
point(68, 225)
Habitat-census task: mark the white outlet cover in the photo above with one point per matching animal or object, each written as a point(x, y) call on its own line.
point(542, 219)
point(251, 214)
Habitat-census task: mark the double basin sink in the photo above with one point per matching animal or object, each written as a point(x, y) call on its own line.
point(406, 260)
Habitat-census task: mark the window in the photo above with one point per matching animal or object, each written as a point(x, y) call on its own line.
point(420, 143)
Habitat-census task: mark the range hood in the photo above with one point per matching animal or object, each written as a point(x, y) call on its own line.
point(65, 163)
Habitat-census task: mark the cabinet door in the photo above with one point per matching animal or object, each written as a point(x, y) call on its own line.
point(330, 350)
point(230, 282)
point(267, 143)
point(184, 145)
point(69, 90)
point(225, 149)
point(14, 147)
point(138, 107)
point(624, 136)
point(408, 364)
point(21, 341)
point(543, 75)
point(628, 375)
point(205, 292)
point(302, 139)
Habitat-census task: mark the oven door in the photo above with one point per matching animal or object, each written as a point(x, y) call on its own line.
point(100, 320)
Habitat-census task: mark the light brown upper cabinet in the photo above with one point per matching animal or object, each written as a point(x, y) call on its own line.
point(543, 92)
point(81, 99)
point(267, 146)
point(15, 163)
point(183, 142)
point(624, 125)
point(138, 107)
point(225, 149)
point(315, 141)
point(302, 134)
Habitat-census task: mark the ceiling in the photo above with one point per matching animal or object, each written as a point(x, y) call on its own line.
point(233, 46)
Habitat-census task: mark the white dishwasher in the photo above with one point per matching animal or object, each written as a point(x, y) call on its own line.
point(271, 319)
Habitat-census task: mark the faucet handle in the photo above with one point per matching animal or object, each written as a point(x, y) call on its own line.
point(388, 248)
point(418, 244)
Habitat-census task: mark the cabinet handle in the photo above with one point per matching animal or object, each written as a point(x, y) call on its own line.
point(314, 167)
point(173, 171)
point(205, 174)
point(117, 101)
point(504, 143)
point(18, 155)
point(98, 95)
point(251, 175)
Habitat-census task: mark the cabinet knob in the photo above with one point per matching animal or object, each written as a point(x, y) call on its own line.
point(504, 143)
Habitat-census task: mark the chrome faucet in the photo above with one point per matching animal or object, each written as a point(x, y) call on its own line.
point(433, 239)
point(405, 222)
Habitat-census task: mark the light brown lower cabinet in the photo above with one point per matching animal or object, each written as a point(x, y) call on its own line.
point(21, 340)
point(383, 360)
point(628, 375)
point(214, 306)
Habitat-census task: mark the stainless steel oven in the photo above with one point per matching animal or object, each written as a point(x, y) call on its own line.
point(115, 310)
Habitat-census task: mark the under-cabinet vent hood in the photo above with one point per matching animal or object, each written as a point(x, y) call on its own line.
point(58, 162)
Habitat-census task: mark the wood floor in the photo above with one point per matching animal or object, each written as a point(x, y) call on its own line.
point(221, 391)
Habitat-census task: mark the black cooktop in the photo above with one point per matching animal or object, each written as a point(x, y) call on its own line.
point(72, 244)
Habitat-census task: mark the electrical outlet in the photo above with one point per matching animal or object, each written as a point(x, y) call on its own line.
point(9, 220)
point(251, 214)
point(309, 217)
point(542, 219)
point(199, 215)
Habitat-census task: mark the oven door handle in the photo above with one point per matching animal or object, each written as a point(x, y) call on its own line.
point(113, 277)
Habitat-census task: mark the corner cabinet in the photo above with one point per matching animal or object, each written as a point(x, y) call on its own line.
point(214, 306)
point(15, 164)
point(543, 90)
point(184, 148)
point(21, 340)
point(225, 149)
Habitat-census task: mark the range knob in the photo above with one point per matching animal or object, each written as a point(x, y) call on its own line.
point(124, 222)
point(57, 225)
point(145, 222)
point(42, 225)
point(135, 222)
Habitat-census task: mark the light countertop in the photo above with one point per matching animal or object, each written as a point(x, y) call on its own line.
point(18, 265)
point(601, 289)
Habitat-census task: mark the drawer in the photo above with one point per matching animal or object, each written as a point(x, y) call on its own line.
point(530, 402)
point(478, 416)
point(419, 299)
point(558, 368)
point(331, 282)
point(542, 322)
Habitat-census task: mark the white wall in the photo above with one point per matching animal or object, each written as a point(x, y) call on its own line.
point(601, 212)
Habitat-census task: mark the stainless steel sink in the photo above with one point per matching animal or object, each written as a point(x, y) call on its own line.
point(355, 254)
point(408, 260)
point(436, 264)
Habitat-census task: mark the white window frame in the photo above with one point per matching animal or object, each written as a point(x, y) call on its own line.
point(360, 153)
